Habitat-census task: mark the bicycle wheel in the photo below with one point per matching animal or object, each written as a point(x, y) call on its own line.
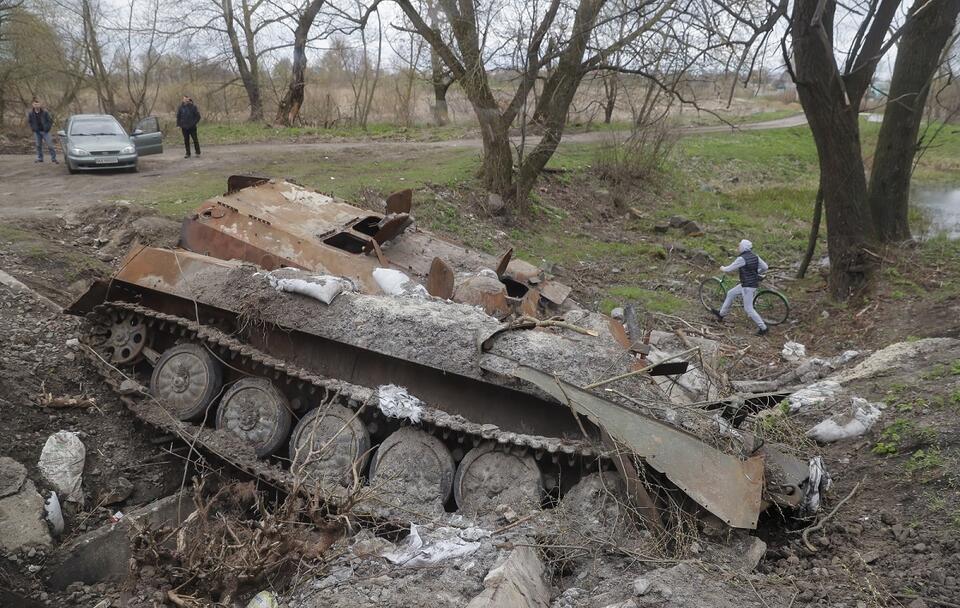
point(772, 306)
point(712, 293)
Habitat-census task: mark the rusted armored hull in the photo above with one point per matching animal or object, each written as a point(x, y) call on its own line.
point(434, 348)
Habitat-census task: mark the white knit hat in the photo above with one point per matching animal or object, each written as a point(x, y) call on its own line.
point(745, 245)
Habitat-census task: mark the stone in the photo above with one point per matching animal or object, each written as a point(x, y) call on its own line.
point(104, 553)
point(919, 548)
point(121, 490)
point(677, 221)
point(691, 228)
point(21, 519)
point(518, 582)
point(661, 228)
point(495, 204)
point(641, 586)
point(12, 476)
point(917, 603)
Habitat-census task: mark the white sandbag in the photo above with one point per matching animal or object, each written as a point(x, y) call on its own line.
point(319, 287)
point(61, 463)
point(394, 283)
point(54, 514)
point(854, 423)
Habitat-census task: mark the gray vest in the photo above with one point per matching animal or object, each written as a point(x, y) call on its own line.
point(749, 272)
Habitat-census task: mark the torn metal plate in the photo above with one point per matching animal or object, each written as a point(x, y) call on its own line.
point(730, 488)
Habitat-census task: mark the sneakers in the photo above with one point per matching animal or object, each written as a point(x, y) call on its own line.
point(763, 332)
point(186, 156)
point(716, 313)
point(54, 161)
point(39, 160)
point(198, 153)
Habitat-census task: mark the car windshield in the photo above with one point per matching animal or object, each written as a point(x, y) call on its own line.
point(96, 127)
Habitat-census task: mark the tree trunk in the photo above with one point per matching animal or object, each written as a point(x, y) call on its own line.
point(248, 76)
point(610, 89)
point(441, 114)
point(497, 172)
point(833, 120)
point(814, 235)
point(919, 53)
point(289, 108)
point(101, 77)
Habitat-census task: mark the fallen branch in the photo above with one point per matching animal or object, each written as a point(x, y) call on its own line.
point(639, 371)
point(808, 531)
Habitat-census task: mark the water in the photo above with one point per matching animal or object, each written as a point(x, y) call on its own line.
point(942, 208)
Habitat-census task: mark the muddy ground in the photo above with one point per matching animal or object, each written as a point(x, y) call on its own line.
point(894, 542)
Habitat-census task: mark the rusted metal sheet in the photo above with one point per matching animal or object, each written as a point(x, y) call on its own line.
point(504, 262)
point(400, 202)
point(728, 487)
point(440, 280)
point(554, 291)
point(277, 224)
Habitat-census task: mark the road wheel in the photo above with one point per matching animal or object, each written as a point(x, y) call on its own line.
point(254, 410)
point(325, 446)
point(186, 380)
point(412, 470)
point(489, 476)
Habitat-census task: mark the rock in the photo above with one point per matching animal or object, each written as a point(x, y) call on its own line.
point(677, 221)
point(919, 548)
point(21, 519)
point(121, 490)
point(516, 583)
point(871, 556)
point(661, 228)
point(494, 204)
point(641, 586)
point(264, 599)
point(623, 604)
point(917, 603)
point(742, 552)
point(691, 228)
point(372, 546)
point(617, 313)
point(12, 476)
point(888, 518)
point(702, 257)
point(793, 560)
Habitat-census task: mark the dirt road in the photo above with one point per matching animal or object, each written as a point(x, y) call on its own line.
point(30, 189)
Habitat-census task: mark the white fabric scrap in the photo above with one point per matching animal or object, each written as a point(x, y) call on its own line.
point(817, 392)
point(394, 283)
point(793, 351)
point(818, 482)
point(61, 463)
point(319, 287)
point(442, 544)
point(396, 402)
point(854, 423)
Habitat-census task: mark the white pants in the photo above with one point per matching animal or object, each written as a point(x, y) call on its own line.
point(747, 293)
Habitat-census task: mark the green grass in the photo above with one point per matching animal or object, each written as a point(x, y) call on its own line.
point(245, 132)
point(655, 301)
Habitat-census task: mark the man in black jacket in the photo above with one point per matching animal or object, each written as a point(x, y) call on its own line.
point(188, 116)
point(41, 123)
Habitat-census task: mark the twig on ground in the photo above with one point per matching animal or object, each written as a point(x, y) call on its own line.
point(808, 531)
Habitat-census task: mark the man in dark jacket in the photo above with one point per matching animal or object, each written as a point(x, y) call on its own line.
point(41, 123)
point(188, 117)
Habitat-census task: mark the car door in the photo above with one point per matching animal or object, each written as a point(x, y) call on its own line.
point(147, 136)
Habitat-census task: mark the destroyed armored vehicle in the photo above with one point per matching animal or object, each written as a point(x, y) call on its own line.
point(282, 321)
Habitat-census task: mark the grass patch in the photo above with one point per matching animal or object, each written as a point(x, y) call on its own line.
point(247, 132)
point(651, 300)
point(40, 253)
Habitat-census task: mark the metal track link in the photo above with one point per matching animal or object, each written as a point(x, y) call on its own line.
point(353, 396)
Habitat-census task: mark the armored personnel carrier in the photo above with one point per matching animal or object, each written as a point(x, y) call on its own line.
point(281, 335)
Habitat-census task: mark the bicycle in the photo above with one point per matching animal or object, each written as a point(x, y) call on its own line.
point(770, 303)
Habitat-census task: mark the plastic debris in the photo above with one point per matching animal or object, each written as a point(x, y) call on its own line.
point(264, 599)
point(442, 544)
point(396, 402)
point(817, 392)
point(394, 283)
point(61, 463)
point(793, 351)
point(324, 288)
point(854, 423)
point(54, 514)
point(818, 483)
point(116, 517)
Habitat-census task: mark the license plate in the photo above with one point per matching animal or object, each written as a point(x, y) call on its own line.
point(107, 161)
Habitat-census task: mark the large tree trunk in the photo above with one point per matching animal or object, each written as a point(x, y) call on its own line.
point(441, 114)
point(919, 53)
point(101, 77)
point(832, 116)
point(289, 108)
point(610, 89)
point(497, 172)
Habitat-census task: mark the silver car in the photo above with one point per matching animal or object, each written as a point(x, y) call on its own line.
point(97, 141)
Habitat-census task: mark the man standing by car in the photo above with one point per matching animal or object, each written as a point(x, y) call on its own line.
point(41, 123)
point(188, 117)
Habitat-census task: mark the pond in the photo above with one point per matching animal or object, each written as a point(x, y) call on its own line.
point(942, 209)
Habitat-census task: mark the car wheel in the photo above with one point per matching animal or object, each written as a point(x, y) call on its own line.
point(70, 168)
point(135, 168)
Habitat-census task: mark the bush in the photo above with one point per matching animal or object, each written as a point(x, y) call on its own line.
point(642, 155)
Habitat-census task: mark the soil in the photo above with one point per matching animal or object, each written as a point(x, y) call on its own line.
point(893, 541)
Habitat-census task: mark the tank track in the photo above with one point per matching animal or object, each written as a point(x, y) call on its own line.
point(232, 450)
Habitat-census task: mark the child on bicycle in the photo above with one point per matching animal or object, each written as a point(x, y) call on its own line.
point(751, 269)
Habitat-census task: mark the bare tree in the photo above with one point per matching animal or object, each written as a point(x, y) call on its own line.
point(289, 108)
point(549, 33)
point(140, 57)
point(926, 36)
